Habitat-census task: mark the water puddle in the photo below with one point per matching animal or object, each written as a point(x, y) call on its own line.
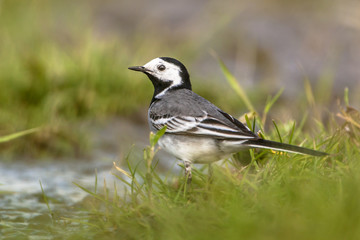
point(22, 205)
point(23, 211)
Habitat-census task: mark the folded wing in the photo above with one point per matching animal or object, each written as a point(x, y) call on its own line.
point(205, 125)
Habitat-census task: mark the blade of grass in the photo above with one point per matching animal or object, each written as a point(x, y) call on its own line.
point(309, 92)
point(235, 85)
point(154, 138)
point(127, 159)
point(131, 176)
point(122, 180)
point(248, 123)
point(122, 171)
point(346, 96)
point(277, 130)
point(253, 126)
point(18, 134)
point(88, 191)
point(97, 196)
point(116, 196)
point(269, 104)
point(303, 121)
point(46, 201)
point(180, 191)
point(96, 181)
point(292, 133)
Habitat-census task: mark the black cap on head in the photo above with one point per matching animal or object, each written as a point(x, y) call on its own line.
point(184, 73)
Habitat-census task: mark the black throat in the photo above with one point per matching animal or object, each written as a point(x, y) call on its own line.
point(160, 86)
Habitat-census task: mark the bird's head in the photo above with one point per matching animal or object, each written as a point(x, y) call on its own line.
point(165, 73)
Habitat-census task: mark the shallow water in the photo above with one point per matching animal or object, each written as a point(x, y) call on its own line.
point(22, 205)
point(23, 211)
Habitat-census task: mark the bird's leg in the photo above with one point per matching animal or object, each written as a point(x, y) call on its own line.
point(188, 175)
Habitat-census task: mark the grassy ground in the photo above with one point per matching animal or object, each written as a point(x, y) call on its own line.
point(254, 195)
point(275, 196)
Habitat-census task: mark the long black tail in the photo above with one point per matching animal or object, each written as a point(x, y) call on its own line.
point(277, 146)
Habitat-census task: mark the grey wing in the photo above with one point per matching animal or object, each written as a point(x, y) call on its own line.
point(224, 128)
point(185, 112)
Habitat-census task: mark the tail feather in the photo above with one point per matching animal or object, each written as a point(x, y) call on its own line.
point(277, 146)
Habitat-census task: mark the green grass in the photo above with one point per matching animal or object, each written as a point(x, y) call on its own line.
point(257, 194)
point(275, 196)
point(13, 136)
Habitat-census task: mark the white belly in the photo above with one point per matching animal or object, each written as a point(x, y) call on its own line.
point(196, 150)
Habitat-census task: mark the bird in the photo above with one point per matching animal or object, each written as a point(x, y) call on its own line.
point(197, 131)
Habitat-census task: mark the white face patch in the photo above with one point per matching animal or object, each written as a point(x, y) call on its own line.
point(164, 71)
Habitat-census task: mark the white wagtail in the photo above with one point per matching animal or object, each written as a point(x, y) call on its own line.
point(197, 131)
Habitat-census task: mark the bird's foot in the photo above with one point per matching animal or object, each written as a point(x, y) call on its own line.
point(188, 174)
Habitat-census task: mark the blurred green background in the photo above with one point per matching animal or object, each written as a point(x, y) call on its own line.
point(63, 64)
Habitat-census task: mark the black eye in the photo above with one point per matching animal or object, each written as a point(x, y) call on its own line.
point(161, 67)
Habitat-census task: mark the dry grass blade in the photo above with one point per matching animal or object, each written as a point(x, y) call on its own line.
point(350, 115)
point(122, 171)
point(309, 93)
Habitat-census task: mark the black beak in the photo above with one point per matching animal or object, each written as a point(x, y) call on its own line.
point(139, 69)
